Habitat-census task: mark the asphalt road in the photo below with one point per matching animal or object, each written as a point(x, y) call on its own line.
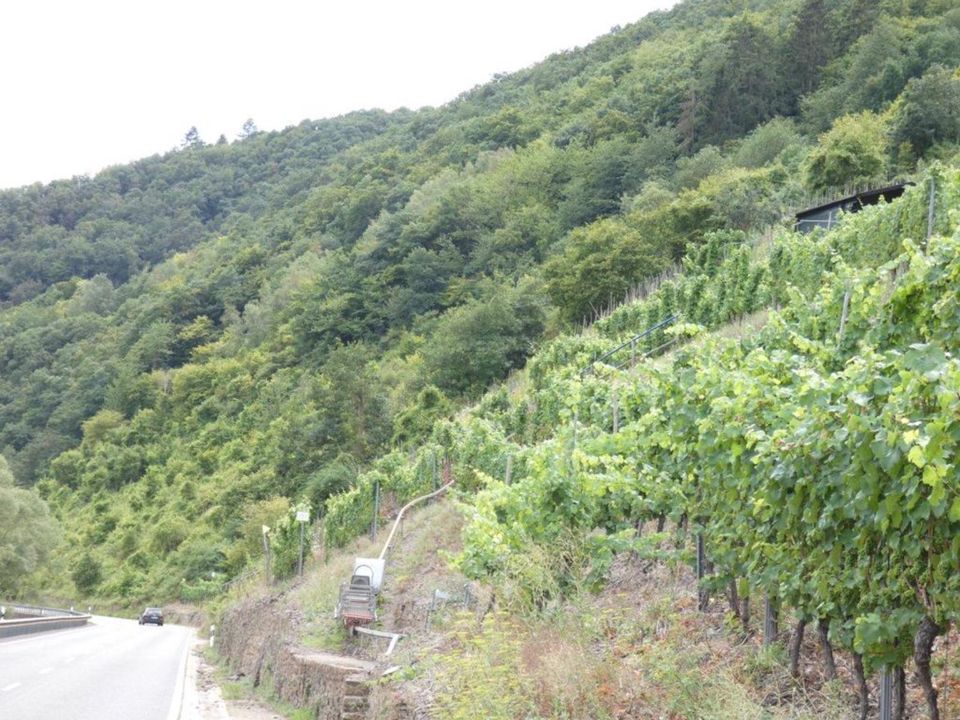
point(109, 670)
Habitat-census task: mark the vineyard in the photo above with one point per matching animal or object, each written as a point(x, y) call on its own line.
point(814, 459)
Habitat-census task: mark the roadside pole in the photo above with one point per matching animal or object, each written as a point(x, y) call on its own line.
point(303, 517)
point(265, 529)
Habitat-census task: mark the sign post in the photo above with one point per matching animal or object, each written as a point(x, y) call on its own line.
point(303, 517)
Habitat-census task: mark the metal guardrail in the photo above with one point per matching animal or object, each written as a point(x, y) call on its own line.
point(34, 619)
point(15, 610)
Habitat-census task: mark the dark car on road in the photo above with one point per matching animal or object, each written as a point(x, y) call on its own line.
point(152, 615)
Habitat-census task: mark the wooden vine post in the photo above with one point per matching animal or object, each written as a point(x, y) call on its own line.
point(376, 510)
point(769, 622)
point(886, 694)
point(703, 596)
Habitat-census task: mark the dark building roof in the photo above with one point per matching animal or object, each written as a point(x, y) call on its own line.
point(827, 215)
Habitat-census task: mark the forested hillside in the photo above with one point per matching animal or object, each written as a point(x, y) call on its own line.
point(191, 344)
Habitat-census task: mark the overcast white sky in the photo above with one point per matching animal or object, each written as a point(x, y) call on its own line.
point(92, 83)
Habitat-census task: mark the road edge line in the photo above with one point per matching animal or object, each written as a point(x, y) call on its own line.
point(176, 703)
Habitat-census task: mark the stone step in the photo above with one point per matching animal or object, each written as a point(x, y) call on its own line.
point(356, 686)
point(353, 716)
point(354, 702)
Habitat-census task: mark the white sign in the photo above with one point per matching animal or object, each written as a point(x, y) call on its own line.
point(303, 516)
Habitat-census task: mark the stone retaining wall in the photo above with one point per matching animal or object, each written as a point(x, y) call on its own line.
point(256, 638)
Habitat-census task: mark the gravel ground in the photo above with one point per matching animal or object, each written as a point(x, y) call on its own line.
point(203, 700)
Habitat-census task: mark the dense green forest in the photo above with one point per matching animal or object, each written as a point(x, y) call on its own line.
point(192, 344)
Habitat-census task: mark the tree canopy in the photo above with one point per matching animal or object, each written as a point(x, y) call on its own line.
point(28, 532)
point(263, 321)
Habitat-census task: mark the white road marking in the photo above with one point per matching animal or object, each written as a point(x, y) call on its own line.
point(176, 702)
point(11, 686)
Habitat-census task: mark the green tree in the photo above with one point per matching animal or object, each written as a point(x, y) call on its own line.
point(414, 424)
point(741, 84)
point(334, 477)
point(28, 533)
point(872, 73)
point(853, 151)
point(96, 428)
point(155, 346)
point(191, 138)
point(929, 111)
point(87, 574)
point(598, 265)
point(691, 170)
point(255, 515)
point(767, 143)
point(168, 534)
point(597, 182)
point(853, 19)
point(249, 129)
point(809, 47)
point(483, 340)
point(353, 401)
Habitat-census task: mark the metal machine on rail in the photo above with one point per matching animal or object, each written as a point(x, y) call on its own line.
point(357, 604)
point(357, 601)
